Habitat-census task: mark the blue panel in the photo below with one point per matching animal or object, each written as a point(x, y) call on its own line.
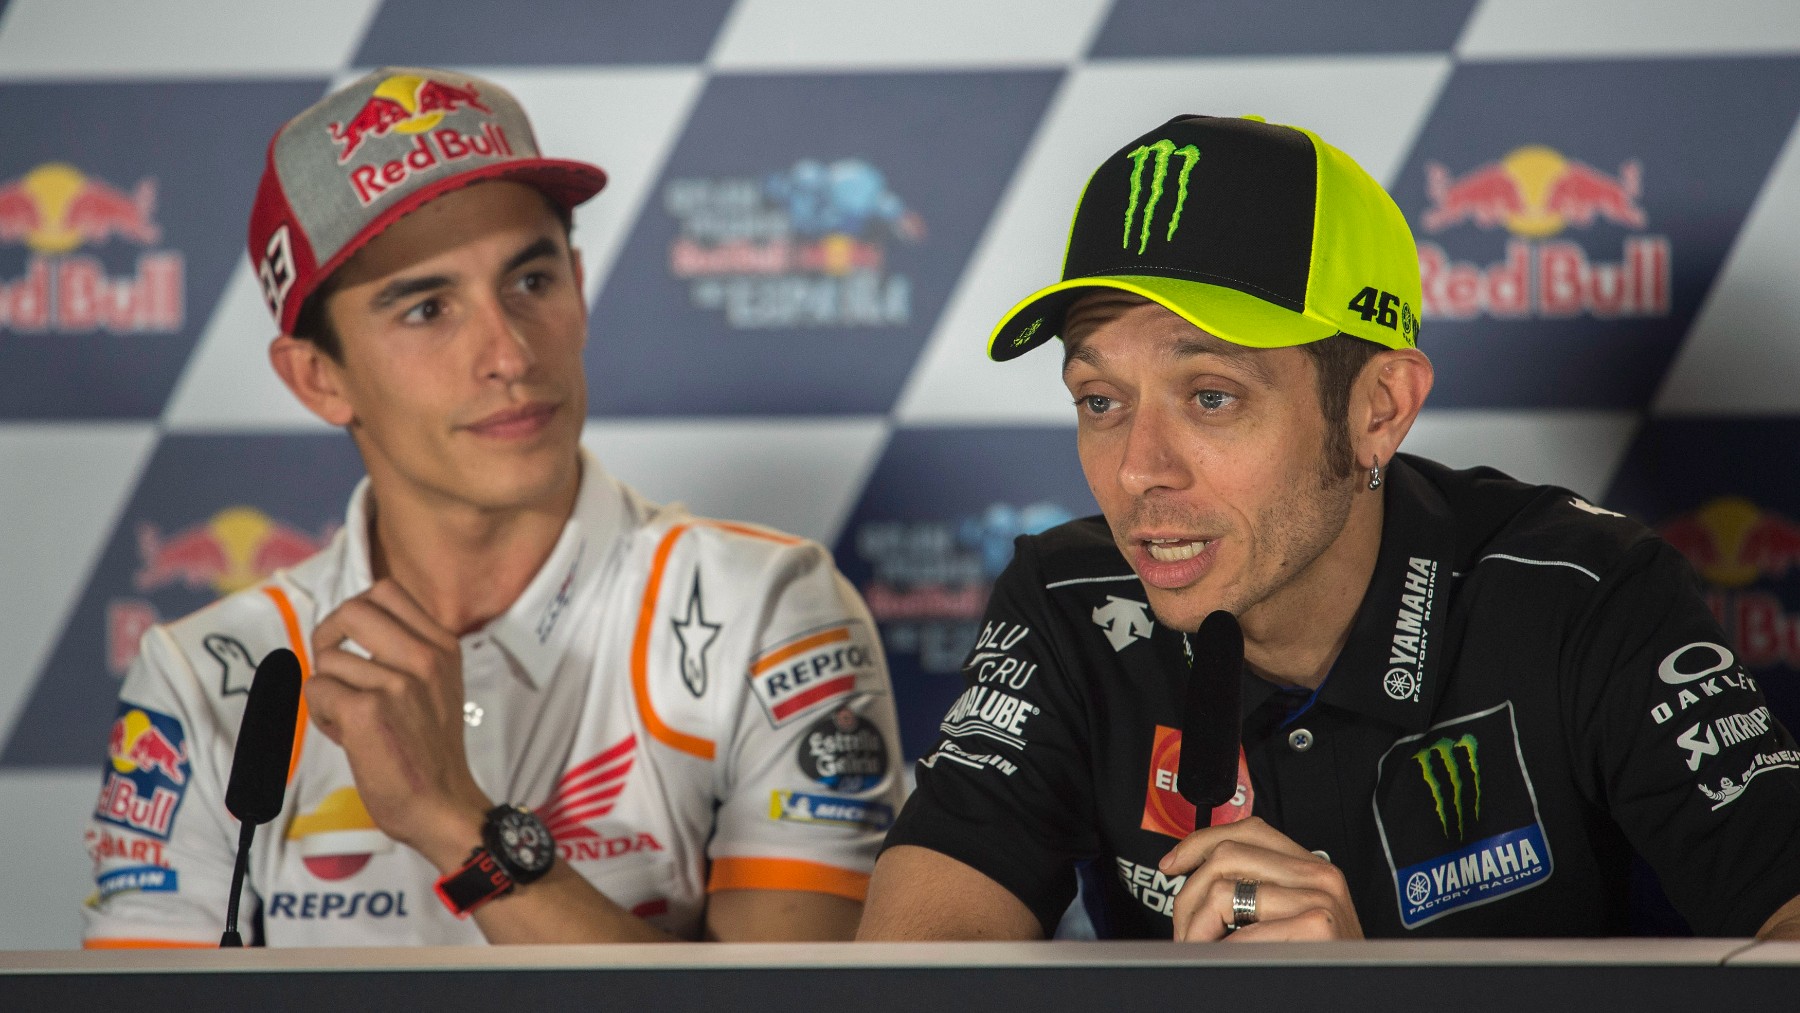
point(211, 514)
point(803, 240)
point(462, 33)
point(1572, 216)
point(1278, 27)
point(122, 213)
point(934, 528)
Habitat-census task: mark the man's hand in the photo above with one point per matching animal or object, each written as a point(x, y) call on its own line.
point(398, 714)
point(1298, 896)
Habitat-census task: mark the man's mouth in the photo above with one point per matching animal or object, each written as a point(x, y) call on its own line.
point(1174, 550)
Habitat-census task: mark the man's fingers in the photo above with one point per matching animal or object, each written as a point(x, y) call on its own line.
point(1314, 924)
point(388, 641)
point(406, 610)
point(1210, 919)
point(1200, 845)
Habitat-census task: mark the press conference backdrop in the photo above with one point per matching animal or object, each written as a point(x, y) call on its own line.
point(817, 210)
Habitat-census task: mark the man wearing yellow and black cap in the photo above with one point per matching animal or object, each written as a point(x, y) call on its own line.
point(1465, 702)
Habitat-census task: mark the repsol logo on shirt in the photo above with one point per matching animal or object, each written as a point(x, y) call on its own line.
point(323, 905)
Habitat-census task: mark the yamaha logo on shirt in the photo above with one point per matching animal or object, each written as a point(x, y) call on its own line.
point(1458, 817)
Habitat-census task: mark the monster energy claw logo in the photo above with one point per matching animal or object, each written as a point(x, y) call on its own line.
point(1163, 150)
point(1445, 749)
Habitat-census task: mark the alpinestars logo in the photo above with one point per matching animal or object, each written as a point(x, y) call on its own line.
point(1158, 155)
point(1446, 750)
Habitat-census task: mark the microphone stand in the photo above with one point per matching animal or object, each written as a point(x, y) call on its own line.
point(231, 938)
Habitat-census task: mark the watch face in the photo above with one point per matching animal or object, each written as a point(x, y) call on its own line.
point(523, 842)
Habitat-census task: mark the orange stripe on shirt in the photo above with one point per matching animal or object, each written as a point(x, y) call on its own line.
point(298, 643)
point(145, 944)
point(640, 656)
point(754, 532)
point(781, 654)
point(787, 874)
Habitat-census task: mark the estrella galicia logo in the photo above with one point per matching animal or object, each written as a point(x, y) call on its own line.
point(1158, 156)
point(843, 751)
point(1458, 817)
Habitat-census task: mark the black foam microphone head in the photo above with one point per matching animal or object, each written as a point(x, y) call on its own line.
point(265, 742)
point(1210, 725)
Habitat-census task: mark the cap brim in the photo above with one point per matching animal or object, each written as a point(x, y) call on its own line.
point(565, 182)
point(1224, 312)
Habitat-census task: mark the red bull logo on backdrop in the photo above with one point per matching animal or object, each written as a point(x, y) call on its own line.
point(1536, 194)
point(146, 772)
point(56, 210)
point(236, 548)
point(1740, 550)
point(802, 248)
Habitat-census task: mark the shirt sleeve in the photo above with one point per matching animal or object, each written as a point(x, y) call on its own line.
point(163, 853)
point(1007, 790)
point(810, 774)
point(1680, 746)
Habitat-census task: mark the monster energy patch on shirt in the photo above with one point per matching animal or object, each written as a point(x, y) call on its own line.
point(1458, 816)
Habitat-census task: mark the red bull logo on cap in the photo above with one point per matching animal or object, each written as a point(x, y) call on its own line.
point(1737, 546)
point(55, 210)
point(1536, 193)
point(415, 106)
point(146, 773)
point(405, 103)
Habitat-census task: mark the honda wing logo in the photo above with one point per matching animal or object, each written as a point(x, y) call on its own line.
point(1158, 153)
point(1450, 752)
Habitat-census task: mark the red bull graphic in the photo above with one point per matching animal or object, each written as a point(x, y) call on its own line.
point(802, 248)
point(406, 103)
point(1535, 193)
point(237, 547)
point(1739, 550)
point(337, 837)
point(412, 105)
point(146, 773)
point(587, 793)
point(55, 210)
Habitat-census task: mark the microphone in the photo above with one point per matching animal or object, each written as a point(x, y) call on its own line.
point(259, 766)
point(1210, 725)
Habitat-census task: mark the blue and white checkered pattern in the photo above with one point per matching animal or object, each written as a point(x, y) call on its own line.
point(816, 212)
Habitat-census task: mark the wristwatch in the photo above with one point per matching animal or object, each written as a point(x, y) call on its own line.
point(516, 848)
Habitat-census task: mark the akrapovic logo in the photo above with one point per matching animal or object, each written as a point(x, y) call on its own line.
point(1450, 754)
point(1158, 156)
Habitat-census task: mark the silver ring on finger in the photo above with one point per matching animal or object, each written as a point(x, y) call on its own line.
point(1243, 904)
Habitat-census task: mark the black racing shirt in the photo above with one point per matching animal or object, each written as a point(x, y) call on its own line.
point(1532, 690)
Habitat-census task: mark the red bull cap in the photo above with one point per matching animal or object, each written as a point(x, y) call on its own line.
point(1263, 235)
point(382, 146)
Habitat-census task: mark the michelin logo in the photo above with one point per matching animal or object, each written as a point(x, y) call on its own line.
point(800, 807)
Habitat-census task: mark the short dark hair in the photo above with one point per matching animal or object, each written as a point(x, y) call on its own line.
point(313, 324)
point(1338, 361)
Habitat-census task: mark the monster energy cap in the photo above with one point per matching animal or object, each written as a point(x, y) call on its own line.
point(378, 148)
point(1263, 235)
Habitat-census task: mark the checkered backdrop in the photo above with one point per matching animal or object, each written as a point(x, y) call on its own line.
point(817, 210)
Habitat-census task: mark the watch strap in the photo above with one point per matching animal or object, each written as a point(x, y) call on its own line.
point(480, 880)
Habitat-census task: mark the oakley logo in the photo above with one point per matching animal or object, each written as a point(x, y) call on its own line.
point(1447, 750)
point(1159, 153)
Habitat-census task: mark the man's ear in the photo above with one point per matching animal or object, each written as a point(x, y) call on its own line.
point(1392, 389)
point(314, 377)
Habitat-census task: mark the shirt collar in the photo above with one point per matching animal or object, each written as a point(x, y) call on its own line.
point(1389, 667)
point(535, 629)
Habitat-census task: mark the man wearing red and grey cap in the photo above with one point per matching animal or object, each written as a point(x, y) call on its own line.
point(1415, 701)
point(537, 708)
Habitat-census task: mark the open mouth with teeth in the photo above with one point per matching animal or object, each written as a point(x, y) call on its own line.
point(1173, 550)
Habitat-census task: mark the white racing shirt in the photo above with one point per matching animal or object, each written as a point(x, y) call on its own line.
point(691, 705)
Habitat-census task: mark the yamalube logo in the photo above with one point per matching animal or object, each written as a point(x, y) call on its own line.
point(1458, 817)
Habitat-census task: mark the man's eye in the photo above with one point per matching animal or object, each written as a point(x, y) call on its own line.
point(424, 312)
point(1095, 404)
point(536, 281)
point(1213, 400)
